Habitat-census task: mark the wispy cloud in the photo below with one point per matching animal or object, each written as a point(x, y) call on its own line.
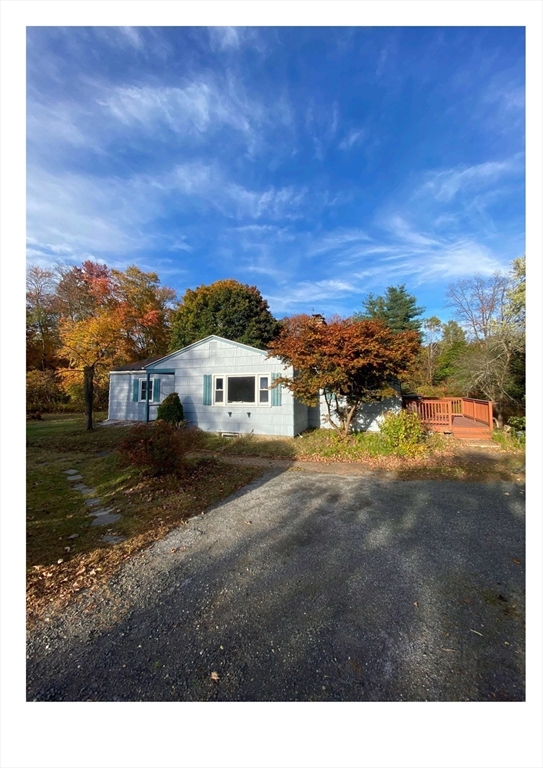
point(133, 36)
point(353, 137)
point(199, 108)
point(445, 185)
point(224, 37)
point(404, 232)
point(337, 240)
point(110, 214)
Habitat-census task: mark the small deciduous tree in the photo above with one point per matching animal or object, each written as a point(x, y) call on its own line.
point(491, 311)
point(41, 319)
point(89, 345)
point(351, 362)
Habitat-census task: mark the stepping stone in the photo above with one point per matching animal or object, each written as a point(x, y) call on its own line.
point(100, 511)
point(73, 477)
point(70, 471)
point(81, 487)
point(110, 538)
point(105, 519)
point(92, 502)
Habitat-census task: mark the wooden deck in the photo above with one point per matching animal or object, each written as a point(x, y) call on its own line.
point(463, 417)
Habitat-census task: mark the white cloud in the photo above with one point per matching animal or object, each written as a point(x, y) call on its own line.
point(337, 240)
point(180, 245)
point(133, 36)
point(196, 111)
point(69, 213)
point(224, 37)
point(352, 138)
point(445, 185)
point(399, 227)
point(307, 293)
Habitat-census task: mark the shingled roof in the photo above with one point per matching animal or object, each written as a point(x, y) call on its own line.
point(139, 365)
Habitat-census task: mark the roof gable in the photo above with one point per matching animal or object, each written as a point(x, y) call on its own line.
point(199, 343)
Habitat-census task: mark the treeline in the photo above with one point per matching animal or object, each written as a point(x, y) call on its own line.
point(82, 321)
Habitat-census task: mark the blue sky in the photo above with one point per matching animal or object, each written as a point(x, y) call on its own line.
point(317, 163)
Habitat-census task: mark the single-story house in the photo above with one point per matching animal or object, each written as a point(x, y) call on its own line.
point(224, 387)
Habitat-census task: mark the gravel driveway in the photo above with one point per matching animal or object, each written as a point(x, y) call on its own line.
point(308, 587)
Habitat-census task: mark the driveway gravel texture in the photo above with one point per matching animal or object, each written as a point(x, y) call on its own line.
point(307, 587)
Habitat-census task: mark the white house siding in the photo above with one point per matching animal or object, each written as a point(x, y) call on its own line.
point(368, 420)
point(218, 357)
point(121, 406)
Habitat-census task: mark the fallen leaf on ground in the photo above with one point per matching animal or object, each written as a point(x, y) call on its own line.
point(416, 604)
point(516, 560)
point(215, 676)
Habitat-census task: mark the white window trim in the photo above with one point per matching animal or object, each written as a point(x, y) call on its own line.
point(226, 376)
point(151, 383)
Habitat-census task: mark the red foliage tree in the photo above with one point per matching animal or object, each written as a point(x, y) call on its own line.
point(351, 362)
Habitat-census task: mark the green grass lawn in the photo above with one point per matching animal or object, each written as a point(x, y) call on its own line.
point(65, 553)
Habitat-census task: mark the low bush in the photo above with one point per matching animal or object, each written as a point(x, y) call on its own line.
point(514, 441)
point(403, 432)
point(518, 423)
point(158, 448)
point(171, 410)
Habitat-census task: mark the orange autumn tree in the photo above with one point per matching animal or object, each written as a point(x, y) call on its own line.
point(351, 362)
point(144, 311)
point(108, 318)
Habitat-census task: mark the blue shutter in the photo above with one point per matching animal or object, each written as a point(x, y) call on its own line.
point(156, 390)
point(276, 391)
point(135, 390)
point(207, 389)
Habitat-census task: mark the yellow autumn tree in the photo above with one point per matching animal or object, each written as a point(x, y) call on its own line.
point(92, 346)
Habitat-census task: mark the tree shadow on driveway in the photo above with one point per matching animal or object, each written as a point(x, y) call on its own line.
point(309, 588)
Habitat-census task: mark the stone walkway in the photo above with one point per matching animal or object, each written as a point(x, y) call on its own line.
point(102, 515)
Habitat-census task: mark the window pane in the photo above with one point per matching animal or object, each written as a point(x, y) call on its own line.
point(264, 395)
point(219, 396)
point(263, 382)
point(218, 384)
point(241, 389)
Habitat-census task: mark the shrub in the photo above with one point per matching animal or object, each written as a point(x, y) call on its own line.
point(158, 448)
point(517, 422)
point(403, 432)
point(171, 410)
point(42, 391)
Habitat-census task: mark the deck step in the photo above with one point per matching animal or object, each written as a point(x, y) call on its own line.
point(473, 434)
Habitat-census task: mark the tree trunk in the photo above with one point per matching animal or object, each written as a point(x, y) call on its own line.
point(88, 391)
point(499, 415)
